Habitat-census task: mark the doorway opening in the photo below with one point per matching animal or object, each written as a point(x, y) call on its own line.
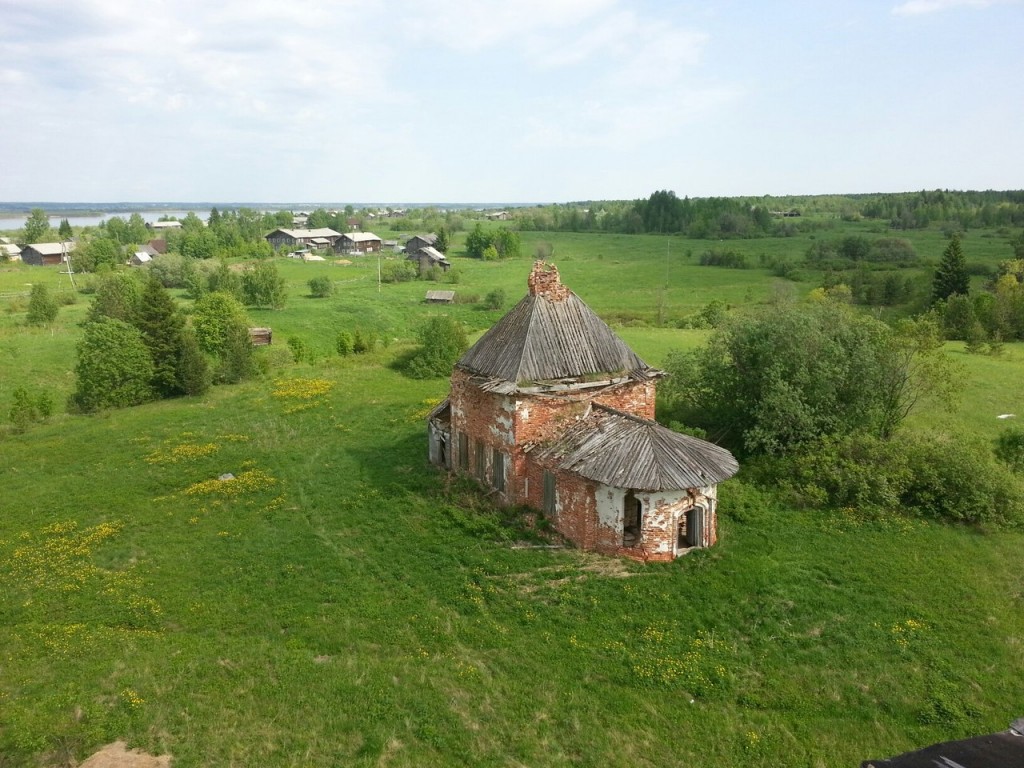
point(632, 520)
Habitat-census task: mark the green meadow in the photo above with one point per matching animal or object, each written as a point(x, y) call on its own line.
point(340, 602)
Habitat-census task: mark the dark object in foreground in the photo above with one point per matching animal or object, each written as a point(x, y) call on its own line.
point(997, 750)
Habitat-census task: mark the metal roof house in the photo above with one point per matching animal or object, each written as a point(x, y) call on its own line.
point(551, 409)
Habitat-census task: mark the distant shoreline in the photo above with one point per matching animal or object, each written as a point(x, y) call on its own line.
point(22, 208)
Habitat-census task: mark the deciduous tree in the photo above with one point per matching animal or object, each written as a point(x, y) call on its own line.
point(263, 286)
point(778, 379)
point(117, 296)
point(114, 369)
point(42, 307)
point(442, 342)
point(37, 227)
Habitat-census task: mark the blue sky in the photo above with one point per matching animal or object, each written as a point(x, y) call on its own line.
point(505, 100)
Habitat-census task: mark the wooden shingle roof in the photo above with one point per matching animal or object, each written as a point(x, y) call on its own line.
point(551, 335)
point(625, 451)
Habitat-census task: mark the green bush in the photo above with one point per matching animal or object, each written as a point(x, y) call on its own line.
point(442, 342)
point(114, 369)
point(363, 342)
point(172, 270)
point(925, 474)
point(212, 317)
point(344, 344)
point(193, 370)
point(236, 360)
point(26, 409)
point(490, 253)
point(116, 296)
point(1010, 449)
point(263, 286)
point(42, 308)
point(857, 470)
point(398, 271)
point(298, 348)
point(495, 299)
point(321, 287)
point(954, 478)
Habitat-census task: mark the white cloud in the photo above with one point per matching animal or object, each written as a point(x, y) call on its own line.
point(481, 24)
point(921, 7)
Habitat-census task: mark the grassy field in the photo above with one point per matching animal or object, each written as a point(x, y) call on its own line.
point(341, 603)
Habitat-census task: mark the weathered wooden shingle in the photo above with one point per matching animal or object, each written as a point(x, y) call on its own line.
point(625, 451)
point(544, 340)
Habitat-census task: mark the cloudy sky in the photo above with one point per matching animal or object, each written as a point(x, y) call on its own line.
point(505, 100)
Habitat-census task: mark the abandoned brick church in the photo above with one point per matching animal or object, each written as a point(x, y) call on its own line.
point(551, 409)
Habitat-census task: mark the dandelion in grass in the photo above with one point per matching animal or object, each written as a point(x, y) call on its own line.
point(250, 481)
point(301, 394)
point(131, 698)
point(903, 633)
point(182, 452)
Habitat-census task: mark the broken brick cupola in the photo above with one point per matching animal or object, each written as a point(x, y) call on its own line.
point(550, 408)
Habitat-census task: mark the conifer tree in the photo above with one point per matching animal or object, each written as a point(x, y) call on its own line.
point(162, 327)
point(951, 277)
point(442, 241)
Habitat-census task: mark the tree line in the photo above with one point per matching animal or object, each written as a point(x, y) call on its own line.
point(663, 212)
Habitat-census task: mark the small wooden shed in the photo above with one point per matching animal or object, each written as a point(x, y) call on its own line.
point(440, 297)
point(260, 337)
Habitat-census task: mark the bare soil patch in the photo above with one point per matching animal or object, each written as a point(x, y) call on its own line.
point(117, 755)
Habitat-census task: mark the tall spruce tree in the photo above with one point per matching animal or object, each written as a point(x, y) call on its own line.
point(162, 326)
point(951, 277)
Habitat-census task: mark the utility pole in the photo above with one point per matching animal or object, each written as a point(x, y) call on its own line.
point(65, 257)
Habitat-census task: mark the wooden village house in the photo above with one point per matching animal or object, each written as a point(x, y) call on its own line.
point(428, 257)
point(551, 409)
point(321, 239)
point(359, 242)
point(42, 254)
point(414, 243)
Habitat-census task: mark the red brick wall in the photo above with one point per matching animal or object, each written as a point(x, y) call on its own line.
point(512, 423)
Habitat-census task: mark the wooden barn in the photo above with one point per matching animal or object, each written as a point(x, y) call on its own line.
point(428, 257)
point(551, 409)
point(41, 254)
point(414, 243)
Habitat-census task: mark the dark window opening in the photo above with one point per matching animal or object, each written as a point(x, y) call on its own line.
point(632, 520)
